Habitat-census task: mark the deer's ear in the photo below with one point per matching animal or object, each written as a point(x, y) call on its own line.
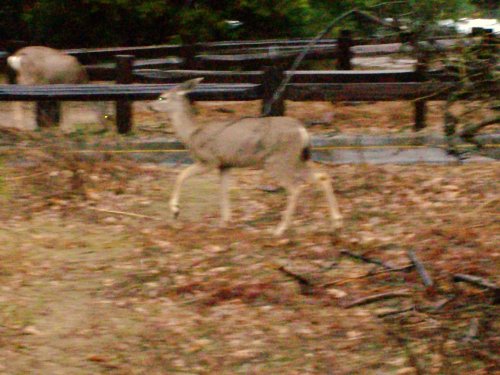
point(188, 86)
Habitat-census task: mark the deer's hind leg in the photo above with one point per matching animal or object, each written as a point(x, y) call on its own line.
point(292, 176)
point(193, 170)
point(323, 181)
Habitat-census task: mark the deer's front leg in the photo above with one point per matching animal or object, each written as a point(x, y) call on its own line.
point(192, 170)
point(293, 195)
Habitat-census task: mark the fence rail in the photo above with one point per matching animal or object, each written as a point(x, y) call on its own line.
point(131, 92)
point(237, 92)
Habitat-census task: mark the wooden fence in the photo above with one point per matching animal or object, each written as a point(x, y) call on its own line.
point(253, 85)
point(142, 79)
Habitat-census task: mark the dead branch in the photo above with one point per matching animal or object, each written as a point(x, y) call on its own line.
point(369, 274)
point(420, 269)
point(363, 16)
point(306, 285)
point(301, 279)
point(377, 297)
point(365, 259)
point(470, 130)
point(478, 281)
point(396, 312)
point(131, 214)
point(16, 178)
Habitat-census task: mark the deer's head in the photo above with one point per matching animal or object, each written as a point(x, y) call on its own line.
point(172, 100)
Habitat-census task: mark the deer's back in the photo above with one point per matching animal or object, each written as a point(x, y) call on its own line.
point(249, 142)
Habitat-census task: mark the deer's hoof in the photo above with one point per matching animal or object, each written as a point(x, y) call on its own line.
point(279, 231)
point(337, 224)
point(224, 223)
point(175, 211)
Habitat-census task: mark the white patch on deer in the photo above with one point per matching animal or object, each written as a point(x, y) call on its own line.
point(14, 62)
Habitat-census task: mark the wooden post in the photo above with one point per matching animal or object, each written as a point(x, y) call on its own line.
point(188, 53)
point(124, 65)
point(344, 50)
point(48, 113)
point(272, 78)
point(420, 105)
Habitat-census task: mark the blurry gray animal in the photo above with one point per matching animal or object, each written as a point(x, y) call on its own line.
point(279, 145)
point(37, 65)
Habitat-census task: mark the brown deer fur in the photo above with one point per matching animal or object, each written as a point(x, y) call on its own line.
point(280, 145)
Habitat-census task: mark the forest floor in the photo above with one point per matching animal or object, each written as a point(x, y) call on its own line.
point(95, 276)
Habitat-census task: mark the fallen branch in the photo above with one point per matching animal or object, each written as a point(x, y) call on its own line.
point(301, 279)
point(395, 312)
point(15, 178)
point(365, 259)
point(478, 281)
point(369, 274)
point(470, 130)
point(420, 269)
point(306, 286)
point(130, 214)
point(377, 297)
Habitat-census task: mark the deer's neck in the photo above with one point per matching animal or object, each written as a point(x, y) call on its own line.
point(184, 122)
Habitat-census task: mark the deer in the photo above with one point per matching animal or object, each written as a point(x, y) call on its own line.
point(279, 145)
point(39, 65)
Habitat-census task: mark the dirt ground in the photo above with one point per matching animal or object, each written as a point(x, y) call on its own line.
point(96, 278)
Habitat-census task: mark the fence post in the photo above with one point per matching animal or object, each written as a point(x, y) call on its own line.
point(188, 53)
point(272, 78)
point(344, 50)
point(420, 105)
point(124, 65)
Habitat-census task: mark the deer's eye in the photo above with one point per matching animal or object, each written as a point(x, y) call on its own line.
point(160, 98)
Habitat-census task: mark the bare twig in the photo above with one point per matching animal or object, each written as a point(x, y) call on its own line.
point(470, 130)
point(131, 214)
point(420, 269)
point(16, 178)
point(386, 3)
point(301, 279)
point(369, 274)
point(395, 312)
point(478, 281)
point(306, 285)
point(365, 259)
point(377, 297)
point(282, 87)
